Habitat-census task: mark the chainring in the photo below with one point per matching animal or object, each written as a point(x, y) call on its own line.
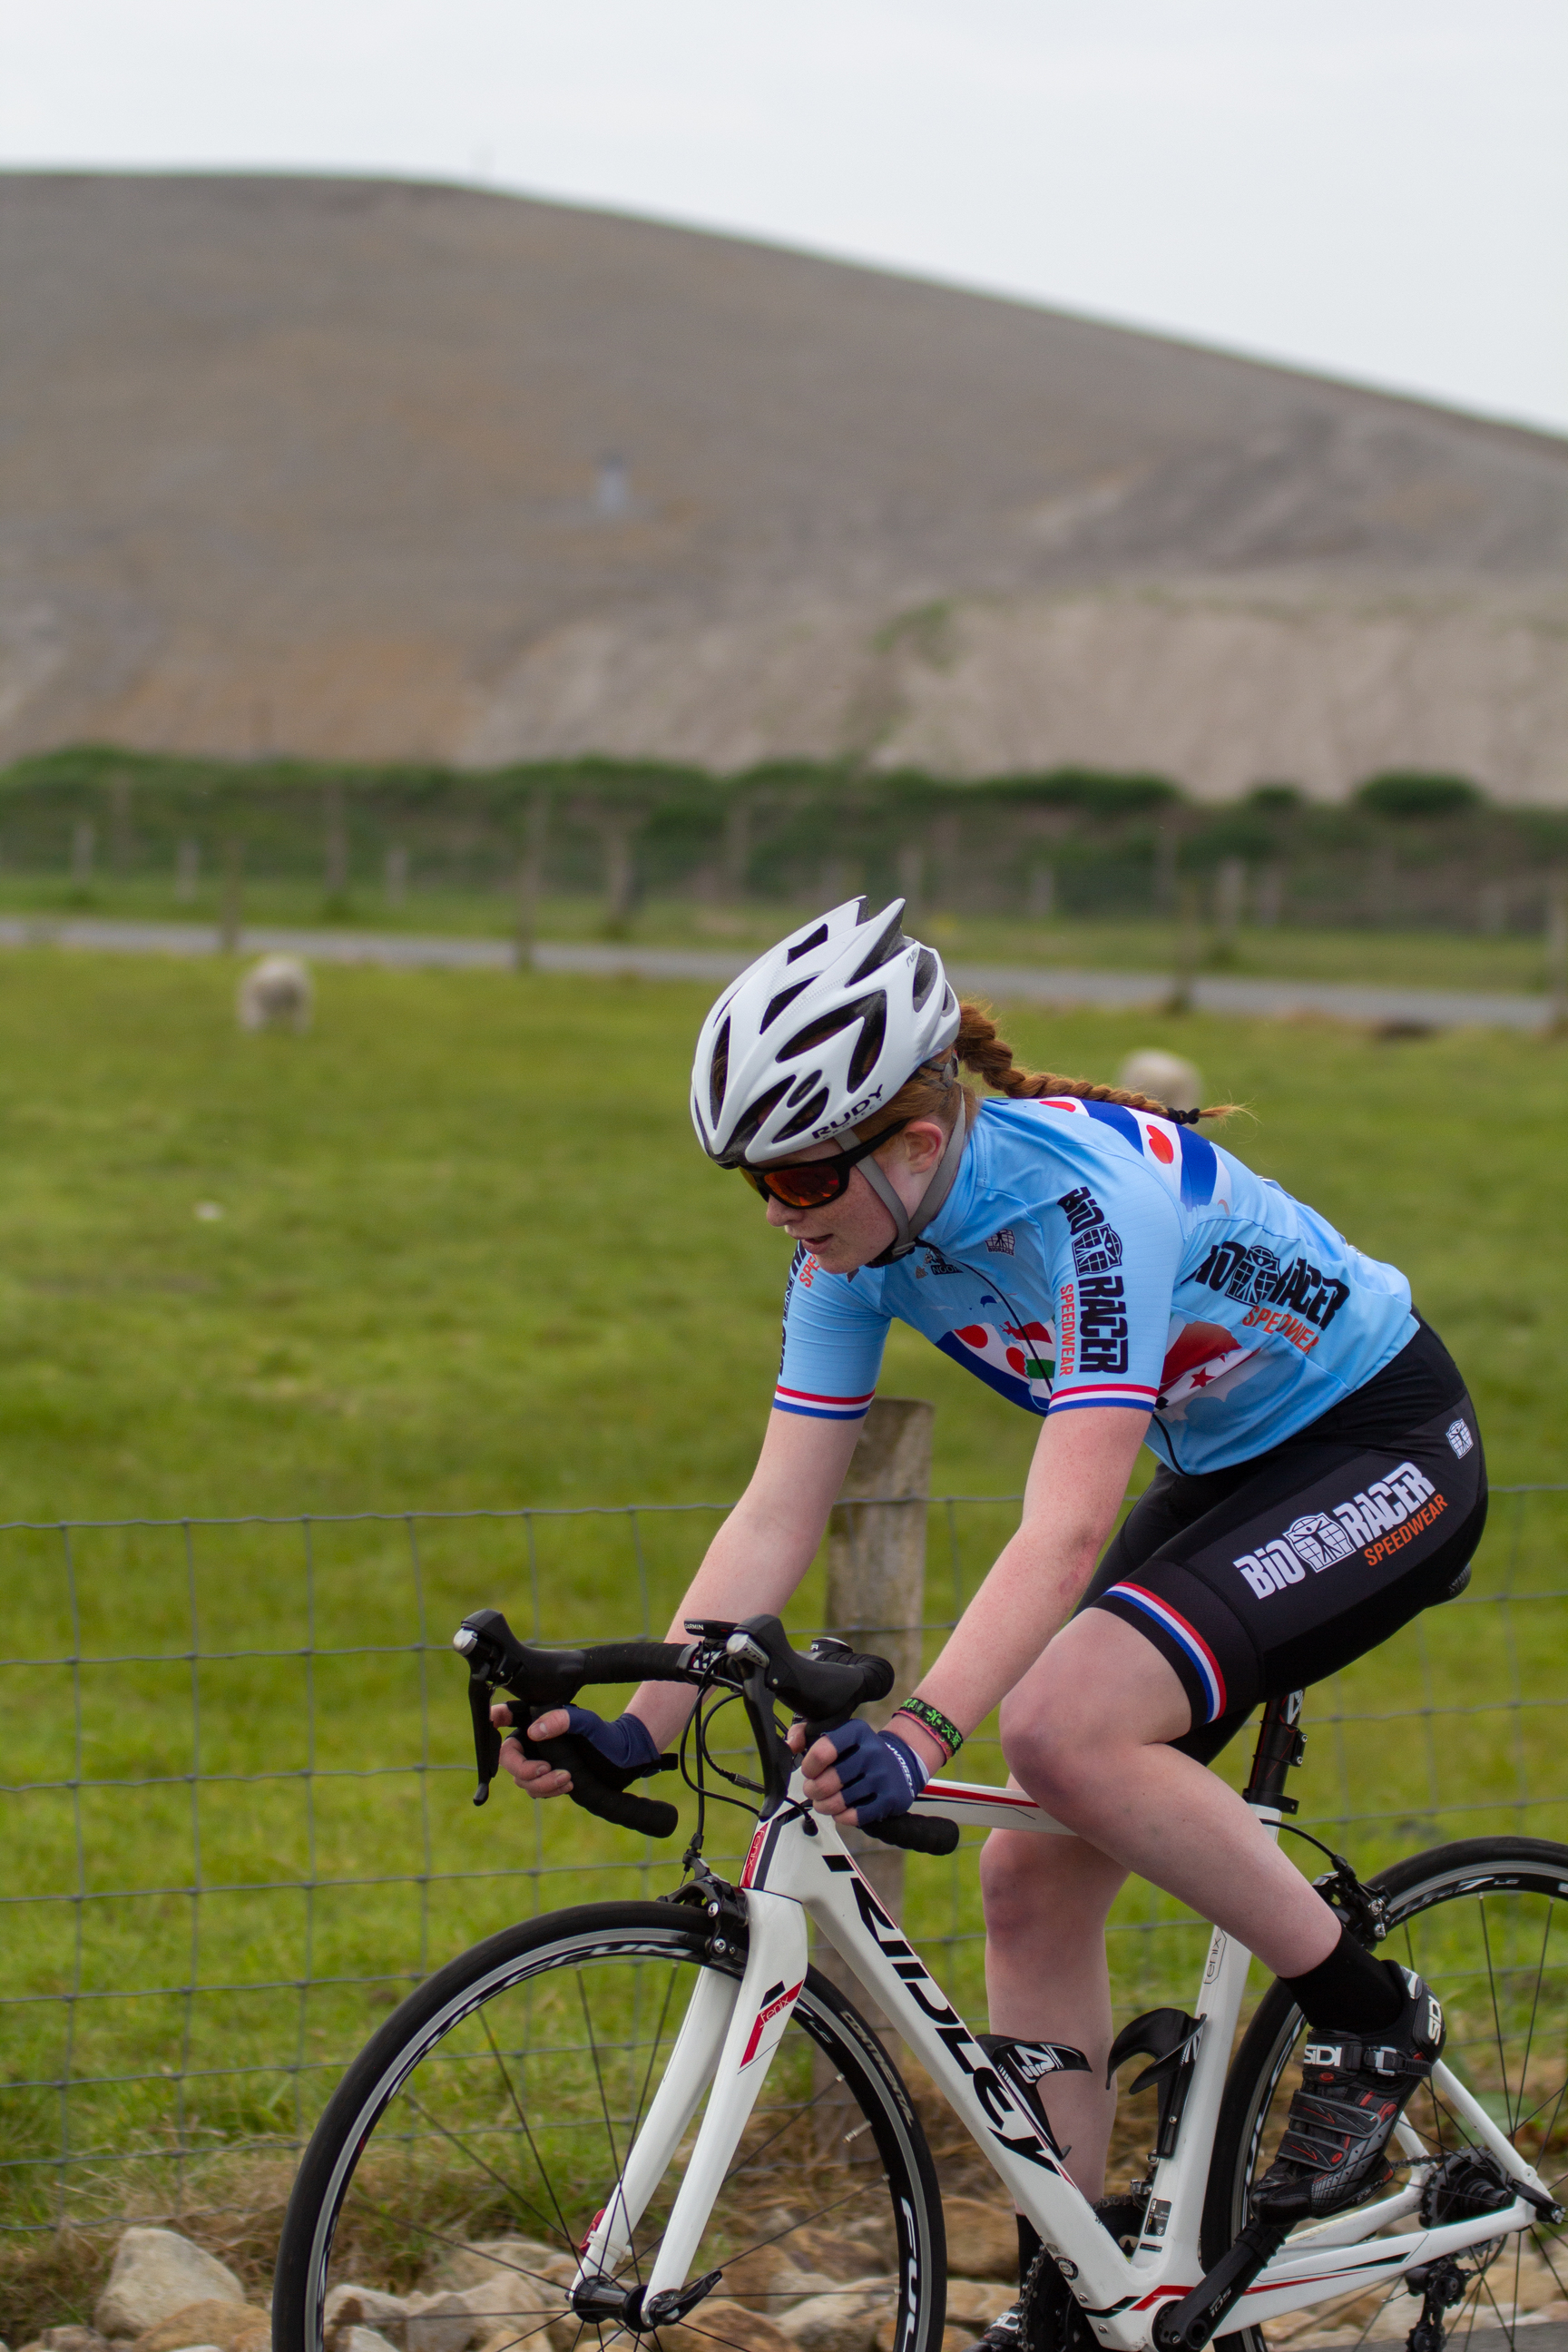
point(1049, 2319)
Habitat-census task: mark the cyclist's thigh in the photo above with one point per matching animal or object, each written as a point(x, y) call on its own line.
point(1318, 1554)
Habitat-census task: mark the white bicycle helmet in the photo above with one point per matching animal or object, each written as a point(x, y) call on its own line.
point(817, 1033)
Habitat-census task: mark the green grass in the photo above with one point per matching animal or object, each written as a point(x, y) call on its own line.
point(469, 1254)
point(469, 1258)
point(1391, 955)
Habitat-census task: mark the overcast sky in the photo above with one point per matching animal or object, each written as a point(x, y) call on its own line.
point(1375, 188)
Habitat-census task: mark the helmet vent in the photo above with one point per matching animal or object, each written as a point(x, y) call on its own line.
point(803, 947)
point(806, 1118)
point(891, 943)
point(832, 1024)
point(719, 1073)
point(926, 970)
point(761, 1110)
point(786, 996)
point(873, 1030)
point(812, 1079)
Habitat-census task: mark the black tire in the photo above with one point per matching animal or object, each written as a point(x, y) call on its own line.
point(1485, 1921)
point(472, 2116)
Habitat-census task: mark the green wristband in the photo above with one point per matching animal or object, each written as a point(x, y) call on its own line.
point(933, 1720)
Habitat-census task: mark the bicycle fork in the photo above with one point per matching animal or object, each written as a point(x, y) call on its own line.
point(727, 2038)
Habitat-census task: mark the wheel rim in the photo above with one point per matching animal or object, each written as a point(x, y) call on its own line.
point(1492, 1942)
point(506, 2115)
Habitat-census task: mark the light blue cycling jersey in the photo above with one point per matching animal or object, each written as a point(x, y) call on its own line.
point(1088, 1254)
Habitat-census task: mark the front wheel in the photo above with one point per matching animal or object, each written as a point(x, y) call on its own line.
point(475, 2137)
point(1486, 1922)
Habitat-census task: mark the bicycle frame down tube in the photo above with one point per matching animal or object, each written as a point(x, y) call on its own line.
point(806, 1860)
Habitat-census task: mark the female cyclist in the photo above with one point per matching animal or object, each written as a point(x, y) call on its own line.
point(1320, 1479)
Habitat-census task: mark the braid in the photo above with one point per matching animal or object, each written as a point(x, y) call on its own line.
point(980, 1049)
point(935, 1091)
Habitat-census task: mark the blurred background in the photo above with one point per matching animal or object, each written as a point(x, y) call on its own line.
point(510, 510)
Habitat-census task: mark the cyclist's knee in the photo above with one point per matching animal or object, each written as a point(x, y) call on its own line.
point(1099, 1690)
point(1054, 1744)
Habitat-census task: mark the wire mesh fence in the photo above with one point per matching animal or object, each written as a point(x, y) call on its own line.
point(238, 1824)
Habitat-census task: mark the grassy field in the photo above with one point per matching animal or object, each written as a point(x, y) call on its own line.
point(1397, 955)
point(467, 1253)
point(467, 1257)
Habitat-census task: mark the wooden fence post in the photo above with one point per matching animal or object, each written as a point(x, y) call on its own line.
point(530, 881)
point(1556, 956)
point(229, 905)
point(875, 1594)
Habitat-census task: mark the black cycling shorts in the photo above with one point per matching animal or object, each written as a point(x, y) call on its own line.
point(1276, 1572)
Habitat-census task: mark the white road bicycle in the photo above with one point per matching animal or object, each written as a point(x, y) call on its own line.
point(672, 2118)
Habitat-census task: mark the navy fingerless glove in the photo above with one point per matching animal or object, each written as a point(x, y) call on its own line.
point(879, 1776)
point(627, 1743)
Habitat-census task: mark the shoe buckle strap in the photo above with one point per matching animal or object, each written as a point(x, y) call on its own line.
point(1364, 2057)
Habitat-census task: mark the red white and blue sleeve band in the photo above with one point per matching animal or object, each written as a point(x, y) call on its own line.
point(813, 1407)
point(1139, 1394)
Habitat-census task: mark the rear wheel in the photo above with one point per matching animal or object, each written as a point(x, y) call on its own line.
point(472, 2143)
point(1486, 1923)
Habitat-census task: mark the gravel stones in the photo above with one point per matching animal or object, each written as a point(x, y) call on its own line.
point(155, 2273)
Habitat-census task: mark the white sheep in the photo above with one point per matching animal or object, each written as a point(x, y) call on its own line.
point(1165, 1076)
point(276, 993)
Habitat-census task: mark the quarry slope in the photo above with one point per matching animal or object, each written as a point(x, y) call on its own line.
point(376, 469)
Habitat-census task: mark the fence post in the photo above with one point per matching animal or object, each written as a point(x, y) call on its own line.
point(875, 1595)
point(1557, 953)
point(336, 861)
point(1180, 999)
point(229, 906)
point(530, 881)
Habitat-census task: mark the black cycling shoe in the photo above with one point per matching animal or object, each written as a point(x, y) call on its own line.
point(1351, 2094)
point(1003, 2335)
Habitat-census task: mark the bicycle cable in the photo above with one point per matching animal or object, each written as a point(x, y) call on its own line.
point(736, 1779)
point(696, 1723)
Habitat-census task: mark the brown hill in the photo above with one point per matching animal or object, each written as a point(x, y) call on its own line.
point(332, 466)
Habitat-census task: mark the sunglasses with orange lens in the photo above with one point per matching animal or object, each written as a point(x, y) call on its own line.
point(812, 1183)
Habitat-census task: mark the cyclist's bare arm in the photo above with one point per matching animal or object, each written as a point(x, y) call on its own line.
point(1077, 1479)
point(754, 1564)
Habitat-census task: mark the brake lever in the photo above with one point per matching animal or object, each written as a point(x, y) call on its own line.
point(487, 1734)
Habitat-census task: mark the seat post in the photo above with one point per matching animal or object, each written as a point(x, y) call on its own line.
point(1281, 1743)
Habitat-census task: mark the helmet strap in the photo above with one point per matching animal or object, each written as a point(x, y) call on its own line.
point(908, 1225)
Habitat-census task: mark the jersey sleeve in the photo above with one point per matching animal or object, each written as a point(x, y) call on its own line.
point(1113, 1278)
point(833, 1334)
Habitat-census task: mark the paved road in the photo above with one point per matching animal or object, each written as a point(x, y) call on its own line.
point(1430, 1008)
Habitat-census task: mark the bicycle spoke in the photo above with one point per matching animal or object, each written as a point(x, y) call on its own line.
point(653, 2053)
point(793, 2117)
point(732, 2342)
point(418, 2229)
point(598, 2075)
point(527, 2128)
point(500, 2179)
point(1497, 2020)
point(1534, 2007)
point(1550, 2265)
point(637, 2258)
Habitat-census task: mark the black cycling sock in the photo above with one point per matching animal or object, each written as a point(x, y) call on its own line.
point(1028, 2247)
point(1351, 1988)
